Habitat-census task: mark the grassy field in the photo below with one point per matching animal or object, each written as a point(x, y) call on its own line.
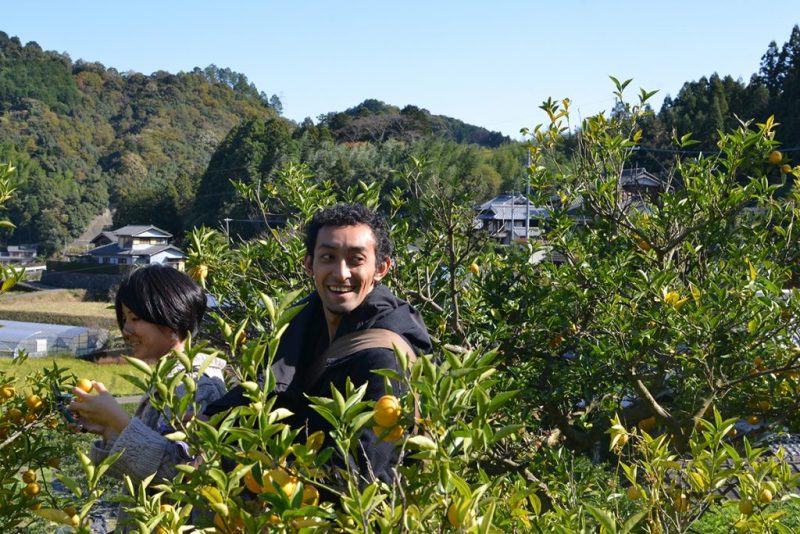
point(60, 306)
point(109, 374)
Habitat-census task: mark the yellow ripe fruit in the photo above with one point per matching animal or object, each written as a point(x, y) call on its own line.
point(764, 405)
point(230, 525)
point(474, 268)
point(387, 411)
point(287, 482)
point(15, 415)
point(54, 462)
point(199, 272)
point(31, 490)
point(452, 517)
point(84, 385)
point(395, 434)
point(786, 168)
point(251, 483)
point(310, 495)
point(30, 418)
point(74, 520)
point(29, 476)
point(647, 424)
point(633, 493)
point(775, 157)
point(34, 402)
point(644, 245)
point(765, 496)
point(746, 506)
point(753, 419)
point(7, 391)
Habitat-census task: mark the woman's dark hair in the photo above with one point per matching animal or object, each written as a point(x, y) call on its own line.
point(162, 295)
point(350, 215)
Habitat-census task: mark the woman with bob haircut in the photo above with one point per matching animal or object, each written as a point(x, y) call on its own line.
point(157, 308)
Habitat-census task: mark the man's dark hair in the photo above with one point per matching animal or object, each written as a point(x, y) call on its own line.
point(350, 215)
point(164, 296)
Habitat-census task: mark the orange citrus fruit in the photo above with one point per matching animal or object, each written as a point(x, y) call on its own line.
point(387, 411)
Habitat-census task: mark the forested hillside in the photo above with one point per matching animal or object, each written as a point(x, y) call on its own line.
point(83, 135)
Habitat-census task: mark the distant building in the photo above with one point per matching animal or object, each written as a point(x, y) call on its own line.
point(135, 245)
point(504, 217)
point(18, 254)
point(639, 189)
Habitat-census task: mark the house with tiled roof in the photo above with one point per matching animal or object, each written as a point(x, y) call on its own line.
point(135, 245)
point(504, 217)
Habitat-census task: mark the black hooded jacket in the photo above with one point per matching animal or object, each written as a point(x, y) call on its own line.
point(307, 337)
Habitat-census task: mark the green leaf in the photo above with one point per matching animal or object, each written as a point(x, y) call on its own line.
point(633, 520)
point(139, 364)
point(423, 443)
point(603, 517)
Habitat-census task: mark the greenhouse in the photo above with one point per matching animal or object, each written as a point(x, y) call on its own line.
point(40, 339)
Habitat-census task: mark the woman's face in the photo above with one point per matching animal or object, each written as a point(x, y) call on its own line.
point(149, 341)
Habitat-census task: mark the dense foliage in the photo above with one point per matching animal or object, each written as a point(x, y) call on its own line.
point(83, 135)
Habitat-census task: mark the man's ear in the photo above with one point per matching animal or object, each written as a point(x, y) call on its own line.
point(383, 269)
point(308, 263)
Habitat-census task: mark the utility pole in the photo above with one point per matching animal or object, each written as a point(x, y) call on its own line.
point(227, 228)
point(528, 199)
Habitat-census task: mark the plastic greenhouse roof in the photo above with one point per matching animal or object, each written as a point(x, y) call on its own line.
point(21, 330)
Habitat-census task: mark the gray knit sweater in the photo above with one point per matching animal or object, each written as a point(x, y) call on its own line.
point(144, 448)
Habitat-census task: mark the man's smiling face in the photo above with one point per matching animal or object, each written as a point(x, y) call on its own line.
point(344, 268)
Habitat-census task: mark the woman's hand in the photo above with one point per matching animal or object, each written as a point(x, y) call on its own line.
point(101, 413)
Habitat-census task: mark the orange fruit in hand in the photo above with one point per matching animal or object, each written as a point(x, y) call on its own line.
point(84, 385)
point(387, 411)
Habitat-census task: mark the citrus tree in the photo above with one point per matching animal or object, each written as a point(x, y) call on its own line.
point(647, 334)
point(34, 433)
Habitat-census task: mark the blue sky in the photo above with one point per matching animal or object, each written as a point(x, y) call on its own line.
point(489, 63)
